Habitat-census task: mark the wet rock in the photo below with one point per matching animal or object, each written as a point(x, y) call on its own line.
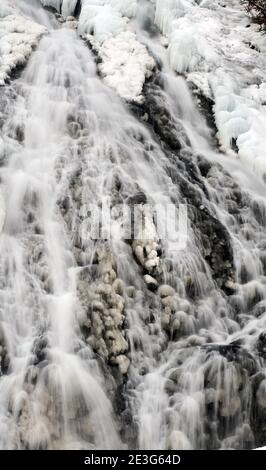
point(258, 408)
point(40, 350)
point(4, 357)
point(214, 396)
point(205, 105)
point(170, 387)
point(261, 395)
point(152, 284)
point(138, 198)
point(155, 113)
point(216, 247)
point(235, 353)
point(261, 344)
point(4, 360)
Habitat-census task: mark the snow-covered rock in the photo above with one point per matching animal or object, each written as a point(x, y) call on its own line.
point(214, 45)
point(125, 61)
point(18, 36)
point(126, 64)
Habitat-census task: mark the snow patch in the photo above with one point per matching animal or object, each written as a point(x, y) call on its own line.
point(18, 36)
point(125, 61)
point(126, 64)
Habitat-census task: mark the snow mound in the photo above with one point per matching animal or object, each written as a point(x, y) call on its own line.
point(18, 36)
point(125, 61)
point(126, 64)
point(217, 48)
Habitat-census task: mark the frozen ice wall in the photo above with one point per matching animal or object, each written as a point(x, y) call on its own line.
point(214, 45)
point(18, 36)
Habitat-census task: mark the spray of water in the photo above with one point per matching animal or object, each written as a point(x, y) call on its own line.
point(116, 343)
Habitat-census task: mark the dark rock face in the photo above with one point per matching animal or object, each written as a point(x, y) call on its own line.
point(188, 172)
point(233, 352)
point(40, 351)
point(261, 344)
point(4, 358)
point(154, 112)
point(205, 105)
point(258, 414)
point(215, 244)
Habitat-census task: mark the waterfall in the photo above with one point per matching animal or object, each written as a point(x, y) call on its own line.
point(117, 342)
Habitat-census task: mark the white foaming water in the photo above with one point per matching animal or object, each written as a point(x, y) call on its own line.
point(67, 321)
point(39, 297)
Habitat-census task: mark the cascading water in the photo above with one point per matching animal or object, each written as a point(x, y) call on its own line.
point(124, 343)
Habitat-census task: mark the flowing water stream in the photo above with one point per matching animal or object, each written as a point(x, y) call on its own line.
point(122, 343)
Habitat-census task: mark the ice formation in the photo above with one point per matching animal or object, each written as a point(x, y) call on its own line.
point(210, 42)
point(126, 64)
point(125, 61)
point(65, 7)
point(18, 36)
point(101, 21)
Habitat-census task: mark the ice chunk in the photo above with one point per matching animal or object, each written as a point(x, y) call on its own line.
point(102, 22)
point(125, 61)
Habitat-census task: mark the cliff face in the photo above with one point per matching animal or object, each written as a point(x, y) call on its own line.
point(132, 219)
